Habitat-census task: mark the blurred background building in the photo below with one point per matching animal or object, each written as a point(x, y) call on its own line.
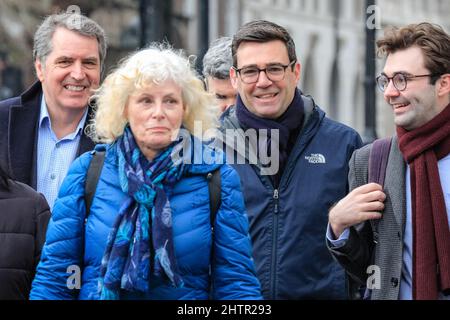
point(330, 36)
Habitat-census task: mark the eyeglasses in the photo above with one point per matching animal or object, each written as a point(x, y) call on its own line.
point(274, 72)
point(399, 80)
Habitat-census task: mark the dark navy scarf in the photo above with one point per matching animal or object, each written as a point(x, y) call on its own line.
point(288, 124)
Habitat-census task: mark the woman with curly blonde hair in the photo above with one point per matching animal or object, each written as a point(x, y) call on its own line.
point(148, 234)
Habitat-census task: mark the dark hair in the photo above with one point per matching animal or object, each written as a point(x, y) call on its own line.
point(430, 38)
point(4, 184)
point(262, 31)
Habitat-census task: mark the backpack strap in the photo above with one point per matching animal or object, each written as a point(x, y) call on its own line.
point(378, 159)
point(214, 188)
point(92, 176)
point(90, 186)
point(95, 168)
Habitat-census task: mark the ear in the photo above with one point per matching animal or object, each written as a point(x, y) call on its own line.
point(233, 78)
point(443, 89)
point(297, 71)
point(206, 83)
point(39, 70)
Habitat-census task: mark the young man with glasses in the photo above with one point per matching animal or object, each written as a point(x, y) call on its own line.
point(309, 154)
point(411, 214)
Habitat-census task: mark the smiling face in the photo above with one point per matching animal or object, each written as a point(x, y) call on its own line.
point(70, 71)
point(417, 104)
point(265, 98)
point(155, 114)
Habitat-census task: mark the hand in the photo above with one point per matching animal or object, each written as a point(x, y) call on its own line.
point(363, 203)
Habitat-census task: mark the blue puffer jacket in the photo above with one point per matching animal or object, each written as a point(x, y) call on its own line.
point(233, 271)
point(288, 224)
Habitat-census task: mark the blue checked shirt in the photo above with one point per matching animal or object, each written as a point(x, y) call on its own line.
point(54, 156)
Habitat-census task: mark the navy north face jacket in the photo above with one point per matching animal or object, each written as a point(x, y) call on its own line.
point(288, 224)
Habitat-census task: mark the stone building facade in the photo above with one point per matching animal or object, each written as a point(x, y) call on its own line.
point(330, 39)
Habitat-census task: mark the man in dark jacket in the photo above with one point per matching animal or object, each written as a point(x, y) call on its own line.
point(288, 190)
point(23, 223)
point(42, 131)
point(394, 238)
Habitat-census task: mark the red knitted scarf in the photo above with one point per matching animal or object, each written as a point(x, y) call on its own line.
point(422, 148)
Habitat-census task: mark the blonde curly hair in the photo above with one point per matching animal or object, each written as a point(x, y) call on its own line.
point(153, 65)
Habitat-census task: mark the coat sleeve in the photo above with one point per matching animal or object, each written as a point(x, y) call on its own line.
point(42, 218)
point(234, 275)
point(59, 270)
point(355, 254)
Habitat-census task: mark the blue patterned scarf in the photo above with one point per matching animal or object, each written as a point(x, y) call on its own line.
point(129, 257)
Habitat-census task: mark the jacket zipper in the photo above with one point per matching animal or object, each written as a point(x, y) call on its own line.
point(274, 244)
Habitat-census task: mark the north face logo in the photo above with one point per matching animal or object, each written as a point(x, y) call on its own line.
point(316, 158)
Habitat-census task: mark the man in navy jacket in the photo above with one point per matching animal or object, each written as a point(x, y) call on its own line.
point(289, 190)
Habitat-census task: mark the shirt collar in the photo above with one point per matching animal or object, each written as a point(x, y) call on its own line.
point(44, 119)
point(43, 112)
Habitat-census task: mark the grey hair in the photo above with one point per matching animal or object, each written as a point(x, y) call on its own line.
point(78, 23)
point(218, 60)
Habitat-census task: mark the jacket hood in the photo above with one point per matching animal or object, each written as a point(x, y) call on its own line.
point(311, 123)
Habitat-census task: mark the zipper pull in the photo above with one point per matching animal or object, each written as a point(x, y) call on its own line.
point(275, 196)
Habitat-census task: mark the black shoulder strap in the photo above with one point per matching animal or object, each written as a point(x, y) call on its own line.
point(214, 187)
point(92, 176)
point(95, 167)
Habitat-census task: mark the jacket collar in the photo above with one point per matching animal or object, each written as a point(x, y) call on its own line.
point(313, 117)
point(395, 183)
point(24, 119)
point(22, 133)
